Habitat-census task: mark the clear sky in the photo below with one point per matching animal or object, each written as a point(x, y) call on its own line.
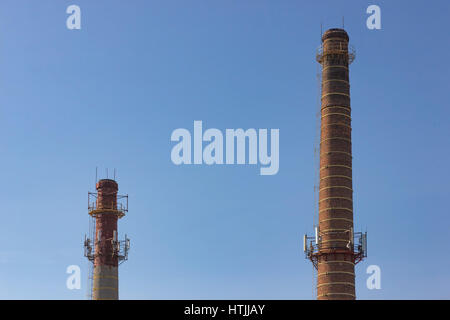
point(110, 95)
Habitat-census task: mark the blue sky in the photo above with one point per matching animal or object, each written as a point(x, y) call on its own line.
point(110, 95)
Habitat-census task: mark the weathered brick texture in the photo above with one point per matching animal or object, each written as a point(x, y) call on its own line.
point(105, 284)
point(336, 271)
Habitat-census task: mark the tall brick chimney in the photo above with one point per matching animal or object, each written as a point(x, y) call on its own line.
point(106, 264)
point(104, 249)
point(333, 251)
